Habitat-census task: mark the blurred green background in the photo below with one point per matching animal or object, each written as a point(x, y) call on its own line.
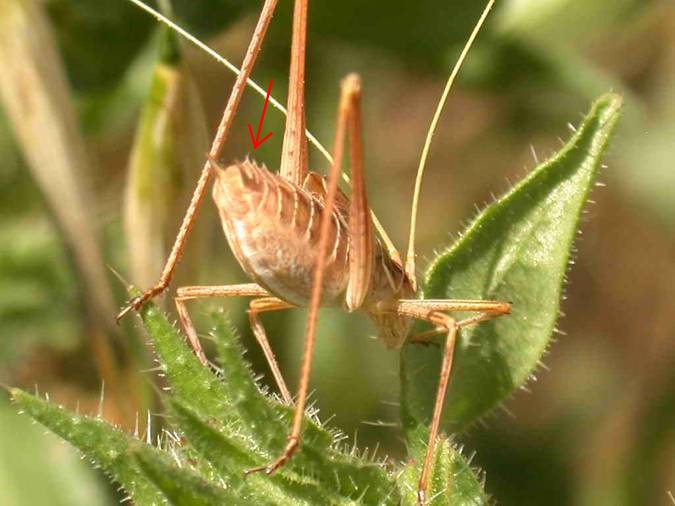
point(597, 428)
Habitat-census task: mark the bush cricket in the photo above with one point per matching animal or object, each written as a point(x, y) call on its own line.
point(305, 243)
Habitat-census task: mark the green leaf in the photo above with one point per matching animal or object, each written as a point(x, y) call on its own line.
point(452, 482)
point(28, 457)
point(222, 426)
point(181, 486)
point(230, 458)
point(516, 250)
point(343, 472)
point(191, 382)
point(234, 426)
point(106, 445)
point(237, 401)
point(168, 150)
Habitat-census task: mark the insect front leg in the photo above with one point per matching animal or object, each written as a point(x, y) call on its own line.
point(216, 148)
point(256, 307)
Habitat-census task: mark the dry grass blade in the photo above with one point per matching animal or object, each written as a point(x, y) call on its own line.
point(35, 94)
point(36, 98)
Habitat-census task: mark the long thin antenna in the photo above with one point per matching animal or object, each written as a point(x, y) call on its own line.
point(410, 256)
point(230, 66)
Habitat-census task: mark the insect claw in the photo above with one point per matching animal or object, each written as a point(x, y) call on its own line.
point(255, 470)
point(421, 497)
point(134, 304)
point(130, 305)
point(137, 302)
point(267, 468)
point(270, 468)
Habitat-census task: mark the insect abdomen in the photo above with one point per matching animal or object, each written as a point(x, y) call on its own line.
point(273, 226)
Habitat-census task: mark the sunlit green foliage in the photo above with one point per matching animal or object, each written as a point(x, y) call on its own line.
point(536, 65)
point(222, 426)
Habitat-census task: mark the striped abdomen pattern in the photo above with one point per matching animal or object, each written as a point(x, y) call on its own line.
point(272, 226)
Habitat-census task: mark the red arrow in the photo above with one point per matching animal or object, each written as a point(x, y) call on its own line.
point(256, 141)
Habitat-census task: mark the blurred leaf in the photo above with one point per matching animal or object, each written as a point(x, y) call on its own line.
point(429, 35)
point(111, 110)
point(168, 151)
point(556, 23)
point(37, 468)
point(525, 45)
point(207, 17)
point(18, 194)
point(423, 33)
point(517, 250)
point(555, 34)
point(640, 479)
point(109, 51)
point(39, 303)
point(100, 39)
point(38, 297)
point(654, 187)
point(37, 101)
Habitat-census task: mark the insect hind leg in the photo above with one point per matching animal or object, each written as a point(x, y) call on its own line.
point(433, 311)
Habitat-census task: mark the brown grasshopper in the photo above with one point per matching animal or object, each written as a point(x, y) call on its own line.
point(305, 243)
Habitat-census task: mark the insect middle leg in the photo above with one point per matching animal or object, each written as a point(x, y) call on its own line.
point(256, 306)
point(433, 311)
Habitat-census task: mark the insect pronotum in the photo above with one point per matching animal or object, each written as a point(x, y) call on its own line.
point(305, 243)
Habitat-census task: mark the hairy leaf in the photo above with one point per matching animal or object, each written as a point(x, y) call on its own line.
point(516, 250)
point(29, 456)
point(452, 481)
point(103, 443)
point(181, 486)
point(234, 426)
point(221, 426)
